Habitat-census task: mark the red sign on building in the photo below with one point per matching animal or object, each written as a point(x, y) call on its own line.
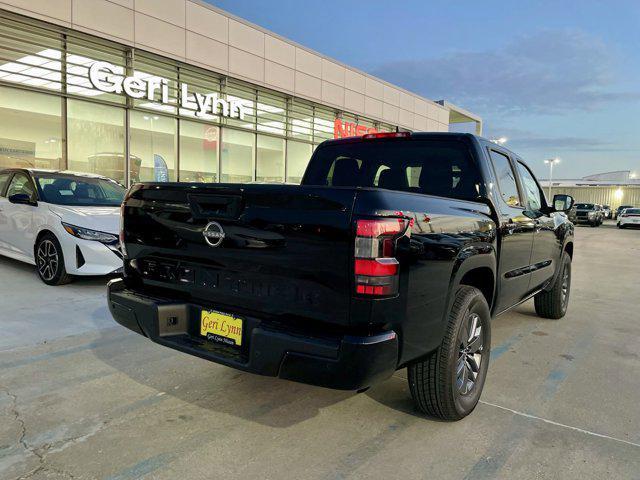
point(349, 129)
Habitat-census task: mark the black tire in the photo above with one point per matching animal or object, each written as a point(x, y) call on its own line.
point(621, 226)
point(553, 303)
point(50, 261)
point(436, 386)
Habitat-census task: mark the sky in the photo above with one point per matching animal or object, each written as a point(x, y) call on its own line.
point(557, 78)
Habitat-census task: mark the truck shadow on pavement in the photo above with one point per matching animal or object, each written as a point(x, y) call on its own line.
point(206, 385)
point(215, 388)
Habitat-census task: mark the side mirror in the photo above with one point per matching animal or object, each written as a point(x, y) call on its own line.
point(21, 199)
point(562, 203)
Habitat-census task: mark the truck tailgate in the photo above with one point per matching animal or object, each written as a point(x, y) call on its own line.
point(279, 251)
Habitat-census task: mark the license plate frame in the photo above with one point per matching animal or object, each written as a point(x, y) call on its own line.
point(221, 327)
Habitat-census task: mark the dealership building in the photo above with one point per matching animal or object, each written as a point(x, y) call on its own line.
point(610, 188)
point(157, 90)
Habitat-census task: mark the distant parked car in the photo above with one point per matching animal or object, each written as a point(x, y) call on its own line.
point(63, 223)
point(629, 217)
point(619, 210)
point(607, 211)
point(587, 213)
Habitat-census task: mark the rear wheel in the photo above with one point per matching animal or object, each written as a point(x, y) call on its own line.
point(50, 261)
point(553, 303)
point(448, 383)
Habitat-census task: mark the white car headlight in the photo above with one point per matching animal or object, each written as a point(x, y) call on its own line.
point(87, 234)
point(591, 214)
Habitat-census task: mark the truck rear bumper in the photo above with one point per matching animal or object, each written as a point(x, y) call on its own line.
point(344, 363)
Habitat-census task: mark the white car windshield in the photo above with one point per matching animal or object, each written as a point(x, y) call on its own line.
point(79, 191)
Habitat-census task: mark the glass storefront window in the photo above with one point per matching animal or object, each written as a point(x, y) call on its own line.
point(150, 69)
point(237, 156)
point(323, 124)
point(30, 129)
point(298, 155)
point(152, 148)
point(202, 85)
point(270, 161)
point(271, 112)
point(96, 139)
point(81, 55)
point(300, 121)
point(247, 95)
point(29, 57)
point(198, 152)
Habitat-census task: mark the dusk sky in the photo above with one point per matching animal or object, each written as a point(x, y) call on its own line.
point(555, 78)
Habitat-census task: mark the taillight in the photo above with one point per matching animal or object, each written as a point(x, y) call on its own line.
point(376, 268)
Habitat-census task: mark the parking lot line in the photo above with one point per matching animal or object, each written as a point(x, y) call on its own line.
point(558, 424)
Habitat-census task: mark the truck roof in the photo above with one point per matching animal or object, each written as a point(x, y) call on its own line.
point(440, 135)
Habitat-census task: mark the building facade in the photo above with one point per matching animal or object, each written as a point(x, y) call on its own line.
point(613, 194)
point(177, 90)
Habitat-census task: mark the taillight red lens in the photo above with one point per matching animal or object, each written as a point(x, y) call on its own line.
point(376, 269)
point(375, 228)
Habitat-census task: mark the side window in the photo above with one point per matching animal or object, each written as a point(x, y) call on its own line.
point(506, 179)
point(4, 178)
point(531, 188)
point(20, 184)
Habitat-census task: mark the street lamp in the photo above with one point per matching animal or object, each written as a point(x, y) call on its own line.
point(551, 162)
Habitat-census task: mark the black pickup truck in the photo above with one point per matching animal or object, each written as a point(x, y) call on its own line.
point(395, 251)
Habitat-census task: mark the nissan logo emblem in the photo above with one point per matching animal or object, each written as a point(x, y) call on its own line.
point(213, 234)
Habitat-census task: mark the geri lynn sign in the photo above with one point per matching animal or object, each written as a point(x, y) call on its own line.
point(104, 77)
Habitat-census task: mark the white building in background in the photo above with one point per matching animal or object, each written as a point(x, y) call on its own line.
point(609, 188)
point(180, 90)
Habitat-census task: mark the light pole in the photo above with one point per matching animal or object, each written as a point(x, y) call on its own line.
point(551, 162)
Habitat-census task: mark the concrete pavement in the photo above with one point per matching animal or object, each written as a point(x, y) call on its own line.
point(81, 397)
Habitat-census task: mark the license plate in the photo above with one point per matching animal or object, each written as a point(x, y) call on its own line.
point(221, 327)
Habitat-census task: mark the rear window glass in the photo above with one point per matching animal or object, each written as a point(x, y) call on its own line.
point(432, 167)
point(634, 211)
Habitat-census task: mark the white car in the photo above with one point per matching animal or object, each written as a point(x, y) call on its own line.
point(629, 217)
point(64, 223)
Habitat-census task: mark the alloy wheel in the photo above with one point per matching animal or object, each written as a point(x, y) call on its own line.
point(48, 260)
point(469, 354)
